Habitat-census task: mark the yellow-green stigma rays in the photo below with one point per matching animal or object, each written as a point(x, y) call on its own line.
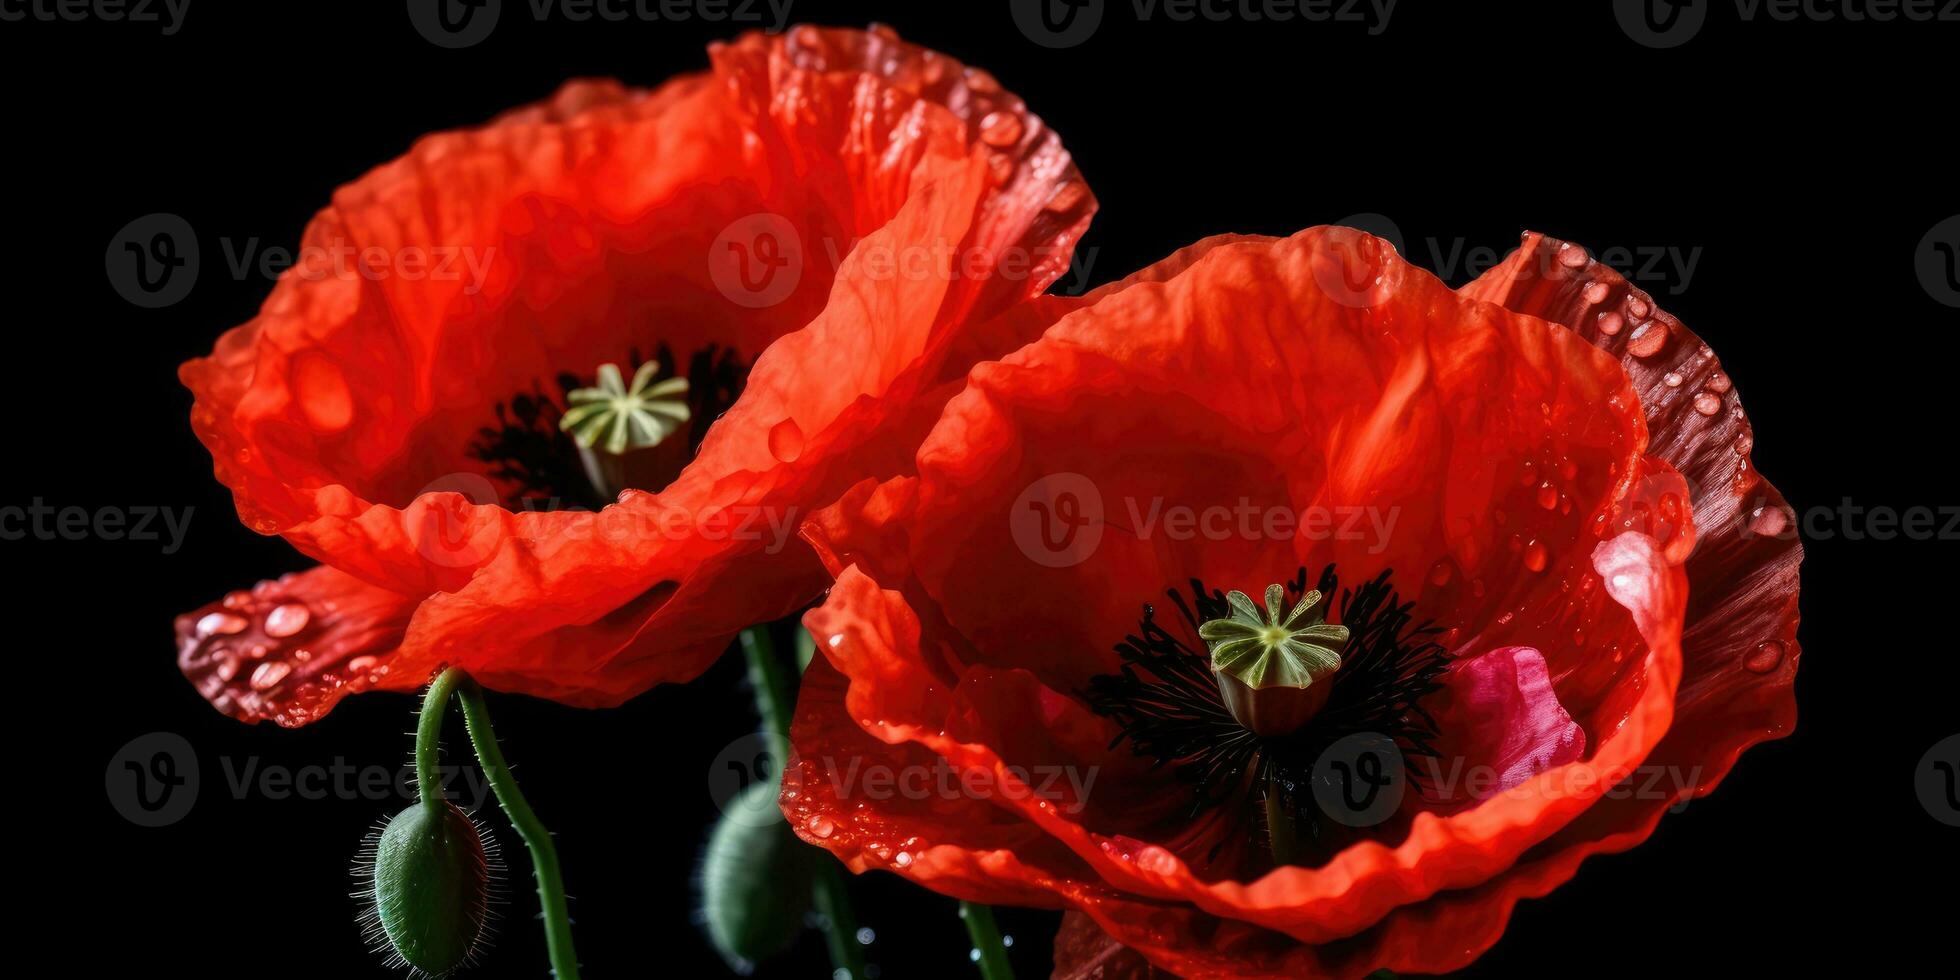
point(620, 419)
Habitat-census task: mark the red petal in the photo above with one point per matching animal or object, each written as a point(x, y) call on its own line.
point(286, 650)
point(1739, 643)
point(1499, 718)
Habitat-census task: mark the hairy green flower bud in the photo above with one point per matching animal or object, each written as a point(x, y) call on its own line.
point(427, 881)
point(754, 880)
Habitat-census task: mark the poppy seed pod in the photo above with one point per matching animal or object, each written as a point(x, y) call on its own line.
point(428, 882)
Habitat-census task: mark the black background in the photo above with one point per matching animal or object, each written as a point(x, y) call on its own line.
point(1805, 160)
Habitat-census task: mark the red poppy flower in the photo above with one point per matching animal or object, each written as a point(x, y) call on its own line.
point(817, 234)
point(1545, 561)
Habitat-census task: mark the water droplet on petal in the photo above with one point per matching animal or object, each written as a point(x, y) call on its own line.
point(286, 620)
point(1547, 495)
point(1673, 379)
point(1066, 196)
point(1596, 293)
point(270, 674)
point(1535, 556)
point(1001, 129)
point(1610, 323)
point(1768, 657)
point(819, 825)
point(1708, 403)
point(1647, 339)
point(1719, 383)
point(221, 624)
point(786, 441)
point(1768, 522)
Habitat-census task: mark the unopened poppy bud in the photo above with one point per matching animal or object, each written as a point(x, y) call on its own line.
point(1274, 670)
point(754, 881)
point(428, 885)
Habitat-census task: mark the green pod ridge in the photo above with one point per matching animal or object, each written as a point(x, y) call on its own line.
point(754, 882)
point(429, 885)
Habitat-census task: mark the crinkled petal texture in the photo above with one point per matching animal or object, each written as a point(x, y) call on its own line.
point(859, 217)
point(1247, 408)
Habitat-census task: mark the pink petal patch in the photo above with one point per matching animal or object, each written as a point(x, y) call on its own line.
point(1501, 724)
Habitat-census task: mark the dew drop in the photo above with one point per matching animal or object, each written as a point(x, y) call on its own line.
point(1001, 129)
point(1001, 167)
point(1547, 495)
point(1708, 403)
point(1535, 556)
point(1768, 522)
point(819, 825)
point(1719, 383)
point(1744, 442)
point(221, 624)
point(361, 664)
point(1673, 379)
point(903, 859)
point(1066, 196)
point(1441, 572)
point(1647, 339)
point(786, 441)
point(270, 674)
point(1572, 256)
point(1596, 293)
point(980, 81)
point(1610, 323)
point(286, 620)
point(1768, 657)
point(1638, 308)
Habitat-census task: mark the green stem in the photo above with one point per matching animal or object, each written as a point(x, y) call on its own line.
point(1279, 827)
point(985, 931)
point(544, 854)
point(831, 894)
